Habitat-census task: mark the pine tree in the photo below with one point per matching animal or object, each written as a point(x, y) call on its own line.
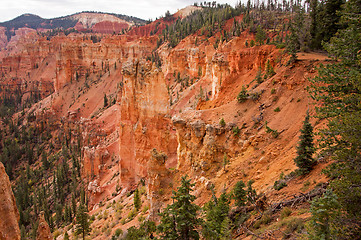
point(324, 211)
point(83, 224)
point(105, 100)
point(45, 161)
point(73, 204)
point(66, 236)
point(292, 44)
point(337, 88)
point(239, 194)
point(260, 35)
point(305, 148)
point(330, 18)
point(216, 214)
point(270, 72)
point(137, 201)
point(179, 220)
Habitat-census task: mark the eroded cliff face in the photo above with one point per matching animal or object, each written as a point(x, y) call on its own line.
point(158, 183)
point(144, 112)
point(43, 232)
point(9, 227)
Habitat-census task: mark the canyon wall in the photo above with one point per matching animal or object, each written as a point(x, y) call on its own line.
point(9, 227)
point(144, 122)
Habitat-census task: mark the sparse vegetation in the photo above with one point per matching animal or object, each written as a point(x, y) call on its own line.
point(222, 122)
point(273, 132)
point(243, 95)
point(279, 184)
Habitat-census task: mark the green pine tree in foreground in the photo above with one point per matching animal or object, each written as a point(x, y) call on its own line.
point(338, 90)
point(179, 220)
point(305, 148)
point(82, 219)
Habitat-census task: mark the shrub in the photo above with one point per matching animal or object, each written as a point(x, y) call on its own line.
point(278, 185)
point(277, 109)
point(132, 214)
point(145, 209)
point(255, 96)
point(285, 212)
point(222, 122)
point(243, 95)
point(274, 132)
point(258, 77)
point(236, 131)
point(273, 91)
point(252, 43)
point(118, 232)
point(294, 225)
point(141, 218)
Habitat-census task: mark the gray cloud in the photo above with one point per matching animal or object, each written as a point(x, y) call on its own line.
point(145, 9)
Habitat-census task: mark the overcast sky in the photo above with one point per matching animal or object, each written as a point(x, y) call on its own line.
point(146, 9)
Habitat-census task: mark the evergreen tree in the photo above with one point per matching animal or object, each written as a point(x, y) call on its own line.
point(315, 32)
point(252, 195)
point(73, 204)
point(260, 35)
point(45, 161)
point(59, 214)
point(66, 236)
point(330, 18)
point(82, 219)
point(145, 231)
point(324, 211)
point(105, 100)
point(179, 220)
point(239, 194)
point(137, 201)
point(305, 148)
point(216, 225)
point(337, 88)
point(270, 72)
point(292, 44)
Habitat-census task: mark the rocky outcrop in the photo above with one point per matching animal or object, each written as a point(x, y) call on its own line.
point(43, 232)
point(93, 160)
point(9, 227)
point(202, 146)
point(144, 122)
point(158, 181)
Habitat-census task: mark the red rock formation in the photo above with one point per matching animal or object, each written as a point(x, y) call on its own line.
point(93, 161)
point(159, 178)
point(3, 38)
point(9, 227)
point(43, 232)
point(108, 27)
point(144, 107)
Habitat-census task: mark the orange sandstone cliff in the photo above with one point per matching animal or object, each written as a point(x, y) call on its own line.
point(9, 228)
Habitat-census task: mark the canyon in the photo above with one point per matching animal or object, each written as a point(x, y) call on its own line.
point(162, 122)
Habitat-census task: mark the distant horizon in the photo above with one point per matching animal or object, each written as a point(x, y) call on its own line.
point(49, 9)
